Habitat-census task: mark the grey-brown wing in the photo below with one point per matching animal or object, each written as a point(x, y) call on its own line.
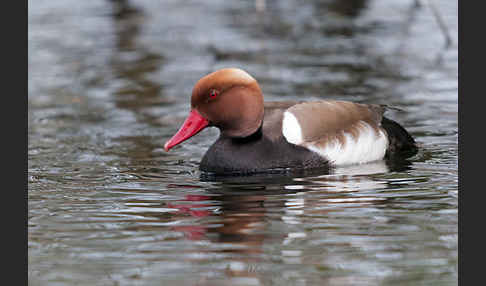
point(321, 120)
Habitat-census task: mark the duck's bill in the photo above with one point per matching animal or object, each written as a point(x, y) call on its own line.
point(191, 126)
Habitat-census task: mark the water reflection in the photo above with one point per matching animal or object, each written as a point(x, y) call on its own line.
point(350, 8)
point(132, 63)
point(242, 215)
point(134, 89)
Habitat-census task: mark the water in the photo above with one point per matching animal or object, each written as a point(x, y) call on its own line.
point(109, 83)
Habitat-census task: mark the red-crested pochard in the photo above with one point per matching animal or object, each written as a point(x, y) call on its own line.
point(258, 136)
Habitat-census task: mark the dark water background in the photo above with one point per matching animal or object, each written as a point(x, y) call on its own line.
point(109, 82)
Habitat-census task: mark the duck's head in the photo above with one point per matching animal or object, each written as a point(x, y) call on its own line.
point(229, 99)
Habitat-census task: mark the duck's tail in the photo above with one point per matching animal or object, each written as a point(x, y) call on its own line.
point(401, 142)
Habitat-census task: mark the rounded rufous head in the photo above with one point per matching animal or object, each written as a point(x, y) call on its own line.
point(229, 99)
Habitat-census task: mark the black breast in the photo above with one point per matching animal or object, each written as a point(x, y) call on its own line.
point(258, 154)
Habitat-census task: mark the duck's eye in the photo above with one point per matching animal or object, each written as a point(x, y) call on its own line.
point(213, 93)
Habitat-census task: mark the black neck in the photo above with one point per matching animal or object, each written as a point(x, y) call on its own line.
point(252, 137)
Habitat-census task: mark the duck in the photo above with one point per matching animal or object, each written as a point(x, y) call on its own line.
point(258, 136)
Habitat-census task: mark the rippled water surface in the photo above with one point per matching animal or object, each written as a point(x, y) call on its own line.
point(109, 82)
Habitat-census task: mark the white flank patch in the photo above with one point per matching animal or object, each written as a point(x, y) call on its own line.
point(368, 147)
point(291, 128)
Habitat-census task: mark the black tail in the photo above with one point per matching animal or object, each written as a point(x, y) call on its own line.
point(401, 143)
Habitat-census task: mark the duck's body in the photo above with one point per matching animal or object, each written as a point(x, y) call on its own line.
point(260, 137)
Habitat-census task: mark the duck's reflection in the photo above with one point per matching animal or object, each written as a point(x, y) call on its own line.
point(240, 229)
point(241, 215)
point(242, 203)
